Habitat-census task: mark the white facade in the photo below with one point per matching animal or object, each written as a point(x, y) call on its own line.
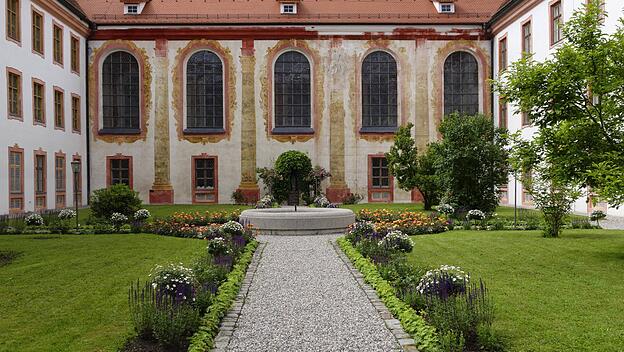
point(24, 133)
point(539, 17)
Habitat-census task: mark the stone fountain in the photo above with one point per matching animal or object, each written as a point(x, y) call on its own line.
point(303, 221)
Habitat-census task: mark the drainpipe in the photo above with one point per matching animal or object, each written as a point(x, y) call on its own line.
point(88, 128)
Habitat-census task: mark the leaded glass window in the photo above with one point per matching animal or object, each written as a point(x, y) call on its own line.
point(204, 91)
point(120, 91)
point(461, 84)
point(292, 91)
point(120, 171)
point(379, 90)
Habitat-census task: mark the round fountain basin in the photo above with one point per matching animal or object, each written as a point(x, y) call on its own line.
point(305, 221)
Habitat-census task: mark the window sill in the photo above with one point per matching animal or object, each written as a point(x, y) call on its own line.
point(292, 130)
point(378, 130)
point(119, 131)
point(199, 131)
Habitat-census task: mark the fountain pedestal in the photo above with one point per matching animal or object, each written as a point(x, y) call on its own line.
point(305, 221)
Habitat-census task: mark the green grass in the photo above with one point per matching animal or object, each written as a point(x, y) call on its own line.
point(560, 294)
point(70, 293)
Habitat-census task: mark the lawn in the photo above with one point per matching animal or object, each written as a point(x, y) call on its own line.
point(70, 293)
point(563, 294)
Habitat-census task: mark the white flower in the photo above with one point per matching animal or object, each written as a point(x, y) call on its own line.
point(142, 214)
point(66, 214)
point(34, 220)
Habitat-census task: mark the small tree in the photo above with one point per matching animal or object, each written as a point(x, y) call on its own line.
point(411, 170)
point(471, 160)
point(117, 198)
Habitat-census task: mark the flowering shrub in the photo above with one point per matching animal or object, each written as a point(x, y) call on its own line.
point(597, 215)
point(265, 202)
point(232, 228)
point(175, 281)
point(397, 241)
point(118, 219)
point(321, 201)
point(142, 214)
point(359, 230)
point(475, 214)
point(198, 219)
point(66, 214)
point(443, 281)
point(408, 222)
point(218, 247)
point(34, 220)
point(446, 209)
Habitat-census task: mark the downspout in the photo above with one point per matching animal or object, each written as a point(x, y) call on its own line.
point(88, 128)
point(491, 70)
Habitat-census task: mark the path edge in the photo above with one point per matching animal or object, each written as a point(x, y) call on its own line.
point(229, 322)
point(404, 340)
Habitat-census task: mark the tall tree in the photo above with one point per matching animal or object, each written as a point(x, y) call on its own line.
point(576, 99)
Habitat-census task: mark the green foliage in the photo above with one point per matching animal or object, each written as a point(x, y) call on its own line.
point(203, 339)
point(352, 198)
point(576, 99)
point(471, 160)
point(424, 335)
point(411, 170)
point(293, 162)
point(117, 198)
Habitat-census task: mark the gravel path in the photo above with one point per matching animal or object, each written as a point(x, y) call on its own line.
point(303, 298)
point(612, 223)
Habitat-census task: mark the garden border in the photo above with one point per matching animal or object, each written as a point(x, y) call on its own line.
point(204, 338)
point(424, 335)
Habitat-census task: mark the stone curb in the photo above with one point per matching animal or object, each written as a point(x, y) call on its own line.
point(394, 325)
point(228, 324)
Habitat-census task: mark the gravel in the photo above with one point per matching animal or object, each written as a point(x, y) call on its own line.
point(303, 298)
point(612, 223)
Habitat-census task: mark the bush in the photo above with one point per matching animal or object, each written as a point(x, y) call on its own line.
point(114, 199)
point(447, 280)
point(267, 201)
point(174, 281)
point(475, 214)
point(218, 247)
point(359, 230)
point(290, 164)
point(597, 215)
point(352, 198)
point(34, 220)
point(397, 241)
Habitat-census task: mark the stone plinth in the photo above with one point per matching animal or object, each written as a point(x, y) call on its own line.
point(305, 221)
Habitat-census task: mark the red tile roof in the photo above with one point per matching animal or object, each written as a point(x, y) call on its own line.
point(309, 12)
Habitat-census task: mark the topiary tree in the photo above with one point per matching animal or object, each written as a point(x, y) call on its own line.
point(471, 161)
point(117, 198)
point(411, 170)
point(293, 166)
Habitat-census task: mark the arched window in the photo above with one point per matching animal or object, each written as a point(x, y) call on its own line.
point(204, 91)
point(379, 91)
point(461, 84)
point(292, 91)
point(120, 92)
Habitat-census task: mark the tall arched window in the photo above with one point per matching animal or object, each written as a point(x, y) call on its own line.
point(120, 92)
point(461, 84)
point(204, 91)
point(292, 91)
point(379, 91)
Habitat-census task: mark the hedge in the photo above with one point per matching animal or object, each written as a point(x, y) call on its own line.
point(424, 335)
point(203, 339)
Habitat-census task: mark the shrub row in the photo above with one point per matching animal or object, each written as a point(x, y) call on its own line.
point(203, 339)
point(424, 335)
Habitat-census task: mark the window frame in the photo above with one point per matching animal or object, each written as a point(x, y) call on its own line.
point(62, 169)
point(103, 130)
point(74, 53)
point(59, 110)
point(526, 119)
point(556, 34)
point(204, 130)
point(57, 52)
point(478, 88)
point(43, 194)
point(503, 53)
point(36, 81)
point(33, 14)
point(109, 169)
point(16, 195)
point(372, 189)
point(78, 188)
point(18, 23)
point(379, 129)
point(19, 115)
point(215, 190)
point(503, 113)
point(76, 113)
point(292, 130)
point(528, 23)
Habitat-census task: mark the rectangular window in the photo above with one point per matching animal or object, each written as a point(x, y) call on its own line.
point(502, 113)
point(59, 109)
point(60, 179)
point(38, 102)
point(14, 93)
point(205, 179)
point(556, 23)
point(380, 185)
point(527, 177)
point(75, 111)
point(13, 20)
point(527, 38)
point(16, 179)
point(40, 180)
point(502, 54)
point(75, 52)
point(58, 44)
point(78, 181)
point(526, 119)
point(37, 32)
point(120, 170)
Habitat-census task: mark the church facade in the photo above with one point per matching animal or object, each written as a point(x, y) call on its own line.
point(183, 100)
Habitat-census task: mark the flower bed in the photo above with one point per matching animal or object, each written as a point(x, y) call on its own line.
point(194, 225)
point(408, 222)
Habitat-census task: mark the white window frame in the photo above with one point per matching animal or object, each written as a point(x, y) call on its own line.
point(288, 9)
